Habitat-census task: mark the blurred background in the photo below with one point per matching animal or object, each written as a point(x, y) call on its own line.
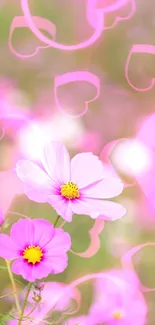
point(29, 117)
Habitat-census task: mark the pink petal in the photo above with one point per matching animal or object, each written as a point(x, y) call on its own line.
point(20, 267)
point(86, 169)
point(8, 249)
point(60, 243)
point(56, 161)
point(22, 232)
point(105, 189)
point(37, 183)
point(43, 269)
point(43, 232)
point(62, 206)
point(59, 263)
point(107, 210)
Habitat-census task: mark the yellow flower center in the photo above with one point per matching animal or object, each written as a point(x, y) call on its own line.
point(70, 191)
point(117, 315)
point(33, 254)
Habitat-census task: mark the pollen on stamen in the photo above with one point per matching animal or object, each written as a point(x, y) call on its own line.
point(33, 254)
point(117, 314)
point(70, 191)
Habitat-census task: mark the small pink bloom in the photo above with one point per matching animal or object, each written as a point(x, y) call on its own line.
point(118, 302)
point(76, 186)
point(37, 247)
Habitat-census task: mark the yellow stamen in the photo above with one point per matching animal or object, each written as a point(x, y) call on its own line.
point(117, 315)
point(70, 191)
point(33, 254)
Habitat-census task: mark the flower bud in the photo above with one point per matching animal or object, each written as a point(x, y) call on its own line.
point(40, 286)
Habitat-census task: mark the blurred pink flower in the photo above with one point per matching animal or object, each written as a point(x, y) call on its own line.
point(56, 302)
point(12, 187)
point(121, 303)
point(37, 248)
point(75, 186)
point(81, 320)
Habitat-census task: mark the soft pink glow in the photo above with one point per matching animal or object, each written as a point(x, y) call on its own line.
point(132, 157)
point(33, 137)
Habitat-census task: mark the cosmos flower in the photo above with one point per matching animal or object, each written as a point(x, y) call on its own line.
point(37, 247)
point(71, 186)
point(127, 305)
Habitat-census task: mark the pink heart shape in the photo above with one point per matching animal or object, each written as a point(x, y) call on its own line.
point(72, 77)
point(94, 246)
point(19, 22)
point(34, 28)
point(93, 11)
point(142, 49)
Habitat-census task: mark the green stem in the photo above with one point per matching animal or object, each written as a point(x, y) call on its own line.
point(56, 221)
point(13, 286)
point(24, 303)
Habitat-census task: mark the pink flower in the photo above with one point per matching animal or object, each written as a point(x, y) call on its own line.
point(76, 186)
point(118, 304)
point(37, 248)
point(56, 303)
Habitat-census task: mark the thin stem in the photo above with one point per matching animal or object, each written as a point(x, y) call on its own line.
point(24, 303)
point(56, 221)
point(13, 286)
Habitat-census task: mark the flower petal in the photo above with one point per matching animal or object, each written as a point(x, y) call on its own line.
point(106, 210)
point(56, 161)
point(8, 249)
point(32, 272)
point(43, 232)
point(62, 206)
point(60, 243)
point(22, 233)
point(86, 169)
point(59, 263)
point(42, 270)
point(37, 184)
point(21, 267)
point(105, 189)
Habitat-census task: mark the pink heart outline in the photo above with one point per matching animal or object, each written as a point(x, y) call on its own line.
point(76, 76)
point(19, 22)
point(91, 9)
point(126, 261)
point(29, 18)
point(94, 246)
point(139, 48)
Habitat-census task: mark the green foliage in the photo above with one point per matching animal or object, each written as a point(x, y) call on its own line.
point(4, 318)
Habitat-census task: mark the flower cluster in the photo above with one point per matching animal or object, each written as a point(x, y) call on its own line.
point(35, 247)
